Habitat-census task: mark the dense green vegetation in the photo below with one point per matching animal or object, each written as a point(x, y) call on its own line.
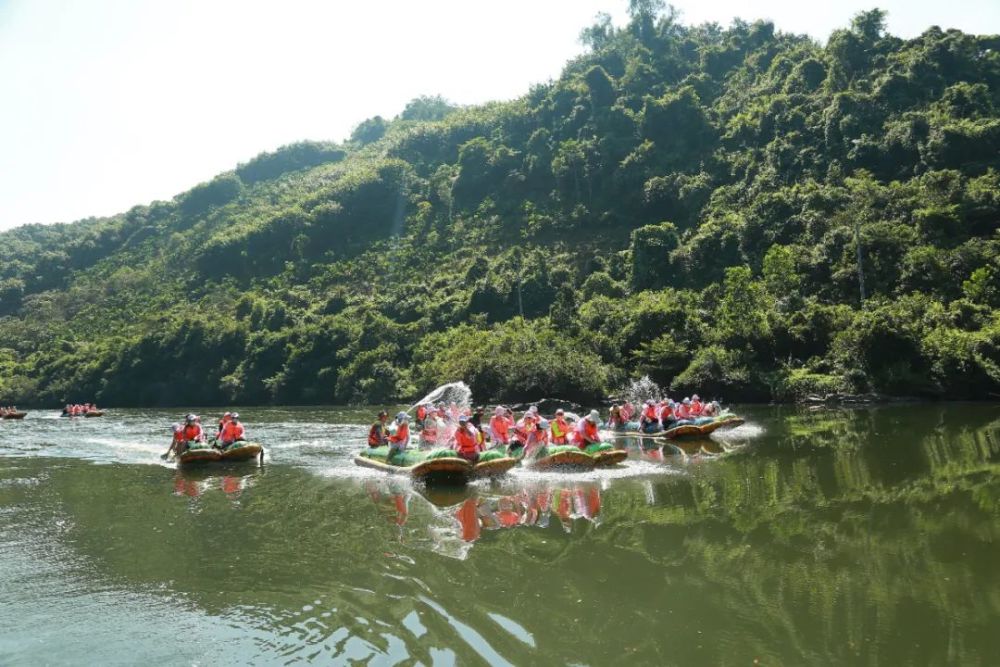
point(741, 211)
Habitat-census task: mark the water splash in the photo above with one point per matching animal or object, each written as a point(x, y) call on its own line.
point(639, 391)
point(457, 393)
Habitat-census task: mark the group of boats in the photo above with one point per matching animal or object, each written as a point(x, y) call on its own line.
point(444, 465)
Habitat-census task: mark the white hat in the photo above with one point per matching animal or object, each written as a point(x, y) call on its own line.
point(594, 416)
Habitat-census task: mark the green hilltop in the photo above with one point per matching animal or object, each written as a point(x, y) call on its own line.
point(736, 211)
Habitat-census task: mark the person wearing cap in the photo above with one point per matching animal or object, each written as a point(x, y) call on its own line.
point(233, 431)
point(696, 406)
point(682, 411)
point(649, 421)
point(466, 443)
point(560, 428)
point(378, 434)
point(177, 444)
point(192, 429)
point(586, 432)
point(500, 427)
point(538, 437)
point(399, 440)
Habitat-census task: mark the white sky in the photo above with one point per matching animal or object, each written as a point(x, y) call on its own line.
point(105, 104)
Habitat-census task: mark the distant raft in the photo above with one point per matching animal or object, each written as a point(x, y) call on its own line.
point(441, 465)
point(697, 428)
point(13, 415)
point(198, 453)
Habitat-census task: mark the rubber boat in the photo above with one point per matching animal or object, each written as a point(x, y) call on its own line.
point(699, 428)
point(13, 415)
point(437, 465)
point(94, 413)
point(570, 458)
point(199, 452)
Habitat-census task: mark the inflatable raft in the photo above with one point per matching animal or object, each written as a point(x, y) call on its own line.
point(698, 428)
point(205, 453)
point(14, 415)
point(570, 458)
point(440, 465)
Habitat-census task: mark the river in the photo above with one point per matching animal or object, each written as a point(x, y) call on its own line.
point(828, 537)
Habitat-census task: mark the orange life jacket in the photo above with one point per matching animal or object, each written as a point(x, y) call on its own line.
point(402, 434)
point(559, 430)
point(192, 432)
point(586, 433)
point(697, 408)
point(465, 441)
point(500, 428)
point(232, 431)
point(421, 413)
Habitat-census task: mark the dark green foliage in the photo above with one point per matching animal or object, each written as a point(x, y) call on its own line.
point(521, 246)
point(293, 157)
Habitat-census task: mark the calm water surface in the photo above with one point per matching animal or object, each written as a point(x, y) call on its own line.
point(804, 537)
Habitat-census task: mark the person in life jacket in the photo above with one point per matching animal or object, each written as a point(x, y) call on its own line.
point(560, 428)
point(537, 438)
point(192, 430)
point(429, 432)
point(649, 421)
point(377, 434)
point(222, 424)
point(466, 442)
point(667, 414)
point(422, 414)
point(524, 426)
point(233, 431)
point(696, 406)
point(682, 411)
point(500, 427)
point(177, 443)
point(400, 440)
point(711, 409)
point(586, 432)
point(616, 420)
point(476, 419)
point(627, 411)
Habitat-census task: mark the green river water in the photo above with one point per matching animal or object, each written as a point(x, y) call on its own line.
point(831, 537)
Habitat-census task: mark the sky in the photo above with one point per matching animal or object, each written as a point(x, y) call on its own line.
point(106, 104)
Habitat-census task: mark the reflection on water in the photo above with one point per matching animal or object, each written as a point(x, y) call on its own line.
point(802, 537)
point(450, 520)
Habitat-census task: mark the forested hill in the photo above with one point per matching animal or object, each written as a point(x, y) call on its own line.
point(689, 202)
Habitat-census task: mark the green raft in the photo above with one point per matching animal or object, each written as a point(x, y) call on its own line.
point(570, 458)
point(203, 452)
point(697, 429)
point(440, 465)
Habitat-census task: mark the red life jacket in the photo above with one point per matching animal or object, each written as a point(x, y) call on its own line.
point(232, 432)
point(696, 408)
point(500, 428)
point(402, 434)
point(421, 413)
point(649, 412)
point(376, 435)
point(586, 433)
point(465, 441)
point(192, 432)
